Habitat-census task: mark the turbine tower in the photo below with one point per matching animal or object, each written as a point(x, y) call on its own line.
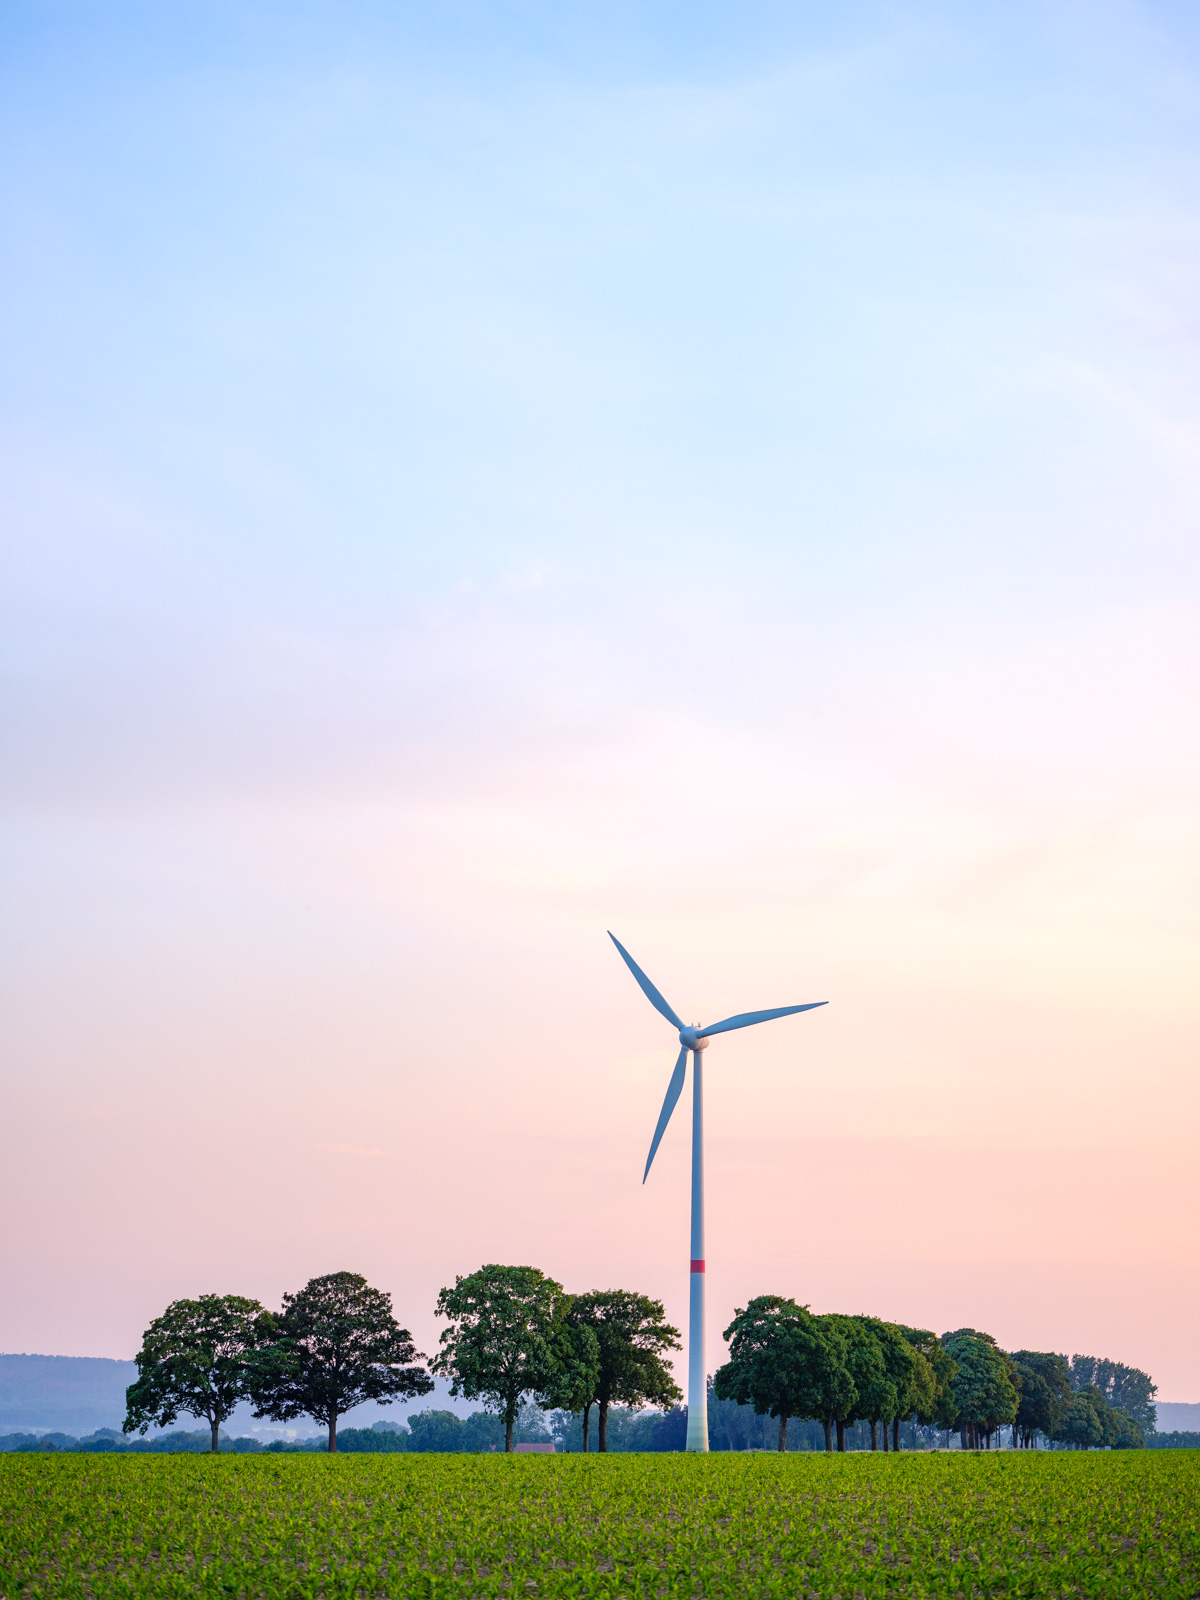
point(695, 1040)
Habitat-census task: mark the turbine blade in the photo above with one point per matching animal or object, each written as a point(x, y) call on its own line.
point(674, 1090)
point(747, 1019)
point(648, 989)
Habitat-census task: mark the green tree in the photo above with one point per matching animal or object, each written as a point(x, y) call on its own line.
point(506, 1339)
point(482, 1431)
point(575, 1364)
point(784, 1362)
point(1045, 1387)
point(632, 1336)
point(1128, 1388)
point(336, 1344)
point(435, 1431)
point(1129, 1435)
point(1081, 1420)
point(368, 1441)
point(875, 1393)
point(985, 1393)
point(909, 1374)
point(936, 1410)
point(196, 1358)
point(860, 1358)
point(1086, 1421)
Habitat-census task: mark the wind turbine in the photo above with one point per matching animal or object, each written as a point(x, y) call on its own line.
point(695, 1040)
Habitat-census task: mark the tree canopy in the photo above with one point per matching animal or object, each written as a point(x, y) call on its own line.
point(1128, 1388)
point(785, 1363)
point(334, 1345)
point(1083, 1418)
point(1045, 1388)
point(985, 1394)
point(196, 1358)
point(937, 1410)
point(508, 1338)
point(909, 1376)
point(875, 1394)
point(632, 1336)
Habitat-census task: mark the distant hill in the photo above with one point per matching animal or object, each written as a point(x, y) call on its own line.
point(79, 1394)
point(1178, 1416)
point(62, 1394)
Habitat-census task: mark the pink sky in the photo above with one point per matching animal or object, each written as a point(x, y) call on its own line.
point(266, 1044)
point(732, 482)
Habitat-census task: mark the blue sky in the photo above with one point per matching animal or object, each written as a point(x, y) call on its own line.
point(481, 474)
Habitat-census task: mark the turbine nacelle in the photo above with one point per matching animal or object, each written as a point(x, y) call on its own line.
point(691, 1039)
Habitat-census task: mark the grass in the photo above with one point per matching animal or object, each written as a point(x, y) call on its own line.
point(746, 1525)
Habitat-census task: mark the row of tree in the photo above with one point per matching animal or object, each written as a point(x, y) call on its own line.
point(515, 1336)
point(838, 1370)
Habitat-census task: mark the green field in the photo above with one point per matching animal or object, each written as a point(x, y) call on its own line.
point(1121, 1523)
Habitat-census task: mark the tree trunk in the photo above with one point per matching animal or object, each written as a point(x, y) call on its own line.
point(509, 1419)
point(895, 1433)
point(587, 1425)
point(874, 1437)
point(602, 1427)
point(841, 1427)
point(828, 1434)
point(333, 1434)
point(216, 1430)
point(783, 1433)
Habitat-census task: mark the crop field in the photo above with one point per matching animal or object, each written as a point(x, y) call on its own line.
point(1104, 1524)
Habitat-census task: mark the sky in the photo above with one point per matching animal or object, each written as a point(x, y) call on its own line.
point(485, 474)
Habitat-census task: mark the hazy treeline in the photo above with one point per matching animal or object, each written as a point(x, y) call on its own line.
point(426, 1431)
point(105, 1441)
point(542, 1362)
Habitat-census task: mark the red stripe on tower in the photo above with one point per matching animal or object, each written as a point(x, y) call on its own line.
point(697, 1266)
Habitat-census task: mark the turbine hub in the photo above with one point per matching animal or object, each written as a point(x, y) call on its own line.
point(691, 1040)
